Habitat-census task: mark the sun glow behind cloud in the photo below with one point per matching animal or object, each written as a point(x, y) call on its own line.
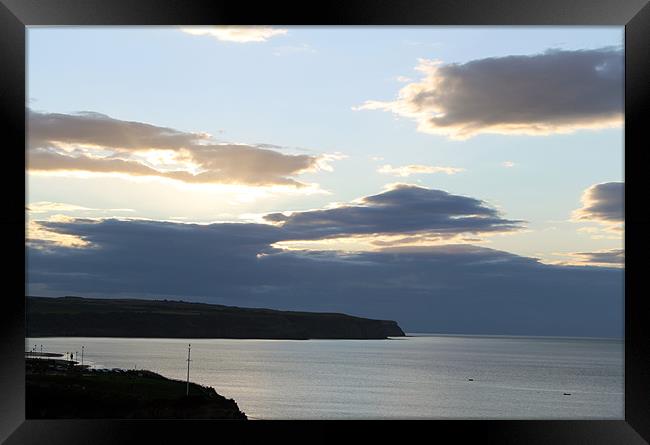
point(39, 237)
point(94, 144)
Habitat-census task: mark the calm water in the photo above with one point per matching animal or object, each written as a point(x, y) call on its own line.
point(413, 377)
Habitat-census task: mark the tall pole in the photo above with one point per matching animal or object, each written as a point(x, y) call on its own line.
point(82, 355)
point(189, 348)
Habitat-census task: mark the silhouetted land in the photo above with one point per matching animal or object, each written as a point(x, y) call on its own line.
point(95, 317)
point(60, 389)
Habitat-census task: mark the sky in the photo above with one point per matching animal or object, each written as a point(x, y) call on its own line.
point(456, 179)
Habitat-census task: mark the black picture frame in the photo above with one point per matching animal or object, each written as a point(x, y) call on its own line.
point(15, 15)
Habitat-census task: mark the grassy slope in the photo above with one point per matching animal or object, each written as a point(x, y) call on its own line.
point(128, 394)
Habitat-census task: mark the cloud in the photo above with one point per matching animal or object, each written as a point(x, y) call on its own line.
point(414, 169)
point(96, 129)
point(401, 209)
point(553, 92)
point(53, 207)
point(240, 34)
point(402, 215)
point(40, 237)
point(96, 143)
point(611, 257)
point(508, 164)
point(602, 203)
point(457, 288)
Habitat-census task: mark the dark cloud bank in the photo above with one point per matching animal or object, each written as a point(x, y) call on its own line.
point(403, 209)
point(452, 289)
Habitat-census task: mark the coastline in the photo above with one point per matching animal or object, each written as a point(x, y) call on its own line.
point(325, 379)
point(134, 318)
point(64, 389)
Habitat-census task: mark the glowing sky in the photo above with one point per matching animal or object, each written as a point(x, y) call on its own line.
point(331, 139)
point(302, 92)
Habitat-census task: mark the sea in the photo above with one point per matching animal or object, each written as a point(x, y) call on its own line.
point(421, 376)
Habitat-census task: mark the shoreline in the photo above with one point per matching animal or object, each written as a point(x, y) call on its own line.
point(64, 389)
point(402, 337)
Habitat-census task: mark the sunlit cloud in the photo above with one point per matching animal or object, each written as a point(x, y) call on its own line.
point(598, 258)
point(604, 205)
point(40, 237)
point(611, 257)
point(240, 34)
point(402, 215)
point(53, 207)
point(414, 169)
point(376, 243)
point(96, 143)
point(43, 208)
point(553, 92)
point(324, 161)
point(604, 202)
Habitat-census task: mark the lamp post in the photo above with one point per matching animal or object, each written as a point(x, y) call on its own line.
point(189, 348)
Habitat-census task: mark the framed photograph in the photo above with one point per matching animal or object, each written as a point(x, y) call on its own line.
point(367, 211)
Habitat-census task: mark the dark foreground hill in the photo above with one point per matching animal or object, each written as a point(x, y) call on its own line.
point(95, 317)
point(60, 389)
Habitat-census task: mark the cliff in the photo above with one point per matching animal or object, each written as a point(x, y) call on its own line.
point(95, 317)
point(60, 389)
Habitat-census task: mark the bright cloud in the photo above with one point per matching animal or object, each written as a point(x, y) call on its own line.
point(414, 169)
point(57, 207)
point(96, 143)
point(38, 236)
point(600, 258)
point(611, 257)
point(240, 34)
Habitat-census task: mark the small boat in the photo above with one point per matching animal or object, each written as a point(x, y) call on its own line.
point(567, 393)
point(471, 380)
